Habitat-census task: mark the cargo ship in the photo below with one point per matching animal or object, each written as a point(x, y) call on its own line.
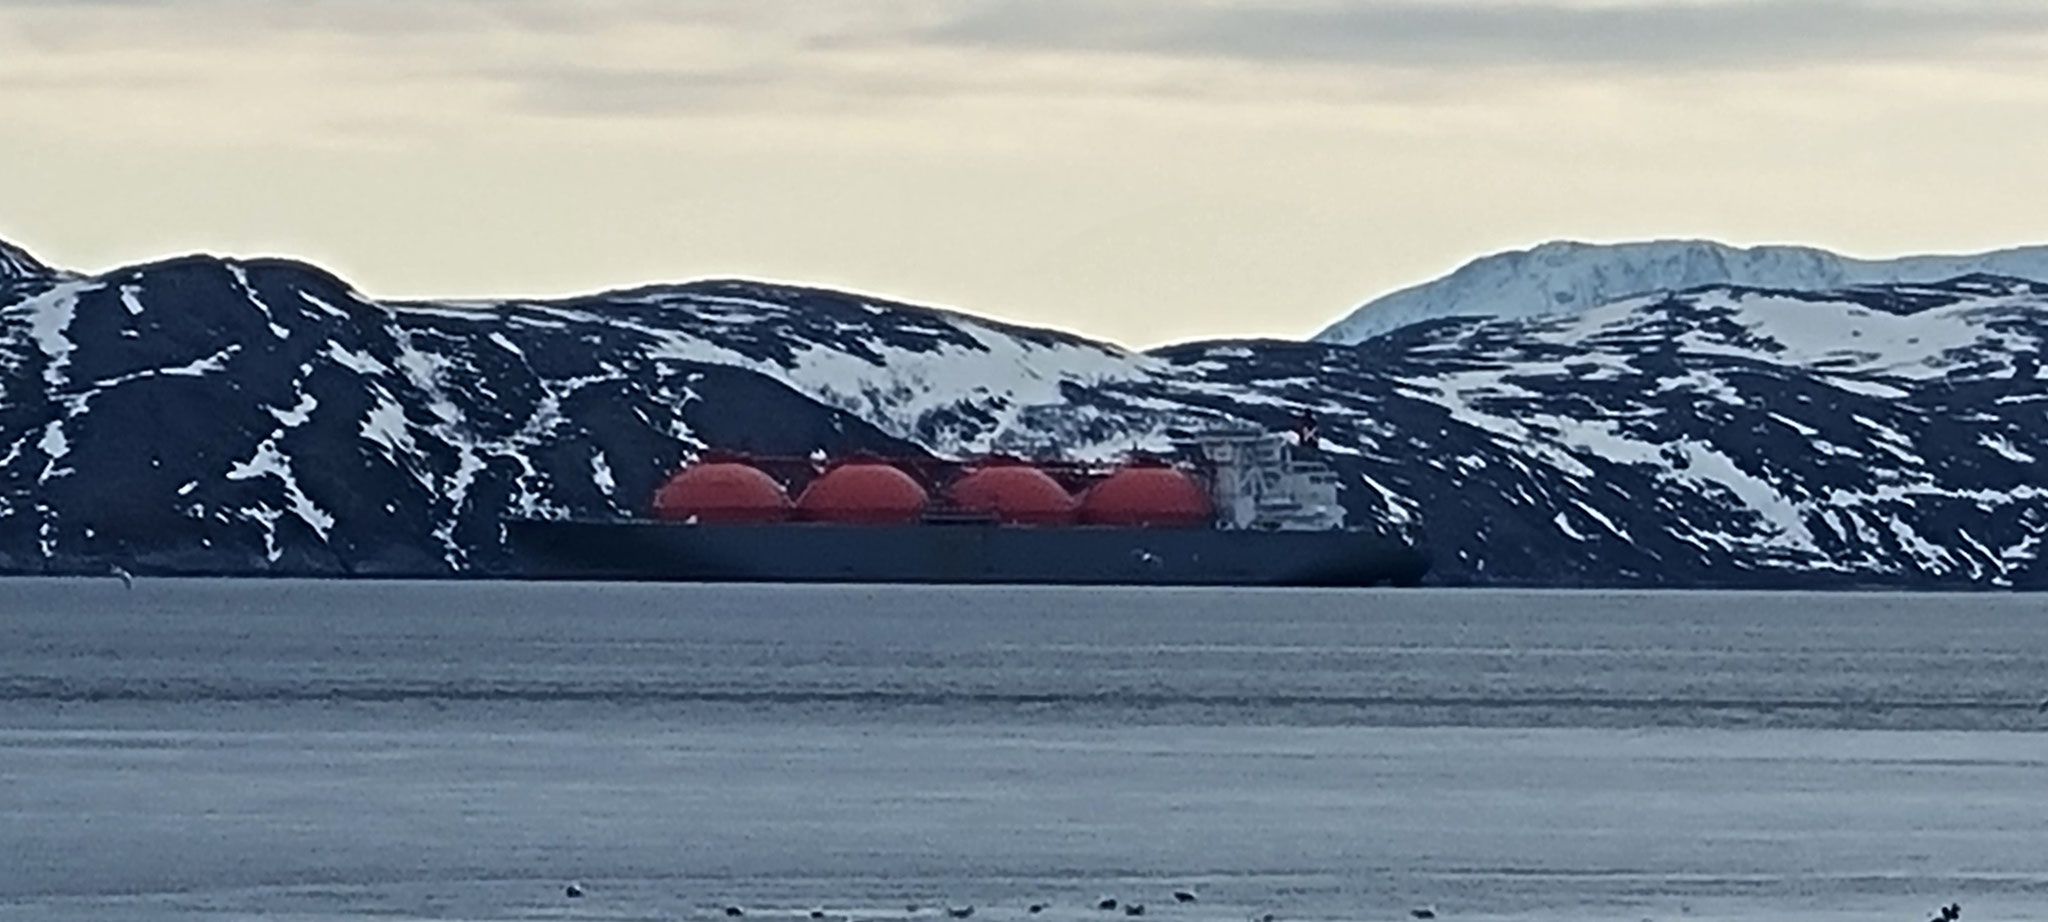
point(1231, 508)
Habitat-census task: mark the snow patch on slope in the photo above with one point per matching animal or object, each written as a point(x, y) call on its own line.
point(270, 460)
point(1842, 336)
point(54, 446)
point(49, 317)
point(909, 389)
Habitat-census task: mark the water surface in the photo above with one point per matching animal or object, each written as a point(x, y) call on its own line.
point(310, 750)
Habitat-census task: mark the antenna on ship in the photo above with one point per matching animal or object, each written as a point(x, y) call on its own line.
point(1305, 429)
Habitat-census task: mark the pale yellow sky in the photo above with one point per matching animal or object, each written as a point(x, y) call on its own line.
point(1143, 171)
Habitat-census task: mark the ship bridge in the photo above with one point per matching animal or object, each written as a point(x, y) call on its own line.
point(1264, 481)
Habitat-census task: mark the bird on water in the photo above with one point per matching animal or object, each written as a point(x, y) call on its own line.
point(1426, 912)
point(1108, 903)
point(959, 912)
point(1183, 896)
point(734, 912)
point(573, 890)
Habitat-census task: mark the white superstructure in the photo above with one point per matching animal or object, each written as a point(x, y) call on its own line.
point(1262, 480)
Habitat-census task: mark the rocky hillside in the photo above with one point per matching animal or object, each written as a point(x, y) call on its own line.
point(260, 416)
point(206, 415)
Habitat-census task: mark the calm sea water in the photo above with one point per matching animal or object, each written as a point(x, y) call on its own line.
point(316, 751)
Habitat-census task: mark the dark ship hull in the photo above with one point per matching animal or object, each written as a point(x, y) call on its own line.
point(963, 553)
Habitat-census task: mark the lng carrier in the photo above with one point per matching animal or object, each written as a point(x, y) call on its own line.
point(1231, 507)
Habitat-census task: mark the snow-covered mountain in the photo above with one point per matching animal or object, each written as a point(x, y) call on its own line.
point(1567, 277)
point(260, 416)
point(220, 415)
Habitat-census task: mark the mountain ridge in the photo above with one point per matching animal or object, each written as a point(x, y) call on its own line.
point(1564, 276)
point(17, 265)
point(1716, 437)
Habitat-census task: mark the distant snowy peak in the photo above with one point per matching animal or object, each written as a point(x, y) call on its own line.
point(16, 264)
point(1566, 277)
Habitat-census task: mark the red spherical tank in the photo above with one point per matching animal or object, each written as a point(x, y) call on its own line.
point(862, 492)
point(1014, 492)
point(1147, 495)
point(721, 492)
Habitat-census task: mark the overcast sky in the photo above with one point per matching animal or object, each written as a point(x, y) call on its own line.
point(1138, 170)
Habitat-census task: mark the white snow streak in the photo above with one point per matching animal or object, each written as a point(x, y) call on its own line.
point(55, 445)
point(361, 363)
point(241, 274)
point(1998, 443)
point(324, 307)
point(270, 461)
point(385, 424)
point(298, 414)
point(506, 344)
point(1400, 509)
point(49, 318)
point(194, 369)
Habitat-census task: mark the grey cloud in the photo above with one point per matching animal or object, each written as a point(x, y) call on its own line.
point(1423, 33)
point(1463, 33)
point(601, 91)
point(1430, 41)
point(445, 17)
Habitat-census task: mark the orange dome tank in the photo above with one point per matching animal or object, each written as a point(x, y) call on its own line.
point(721, 492)
point(862, 491)
point(1147, 494)
point(1014, 492)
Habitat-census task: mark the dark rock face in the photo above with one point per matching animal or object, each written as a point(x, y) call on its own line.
point(203, 415)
